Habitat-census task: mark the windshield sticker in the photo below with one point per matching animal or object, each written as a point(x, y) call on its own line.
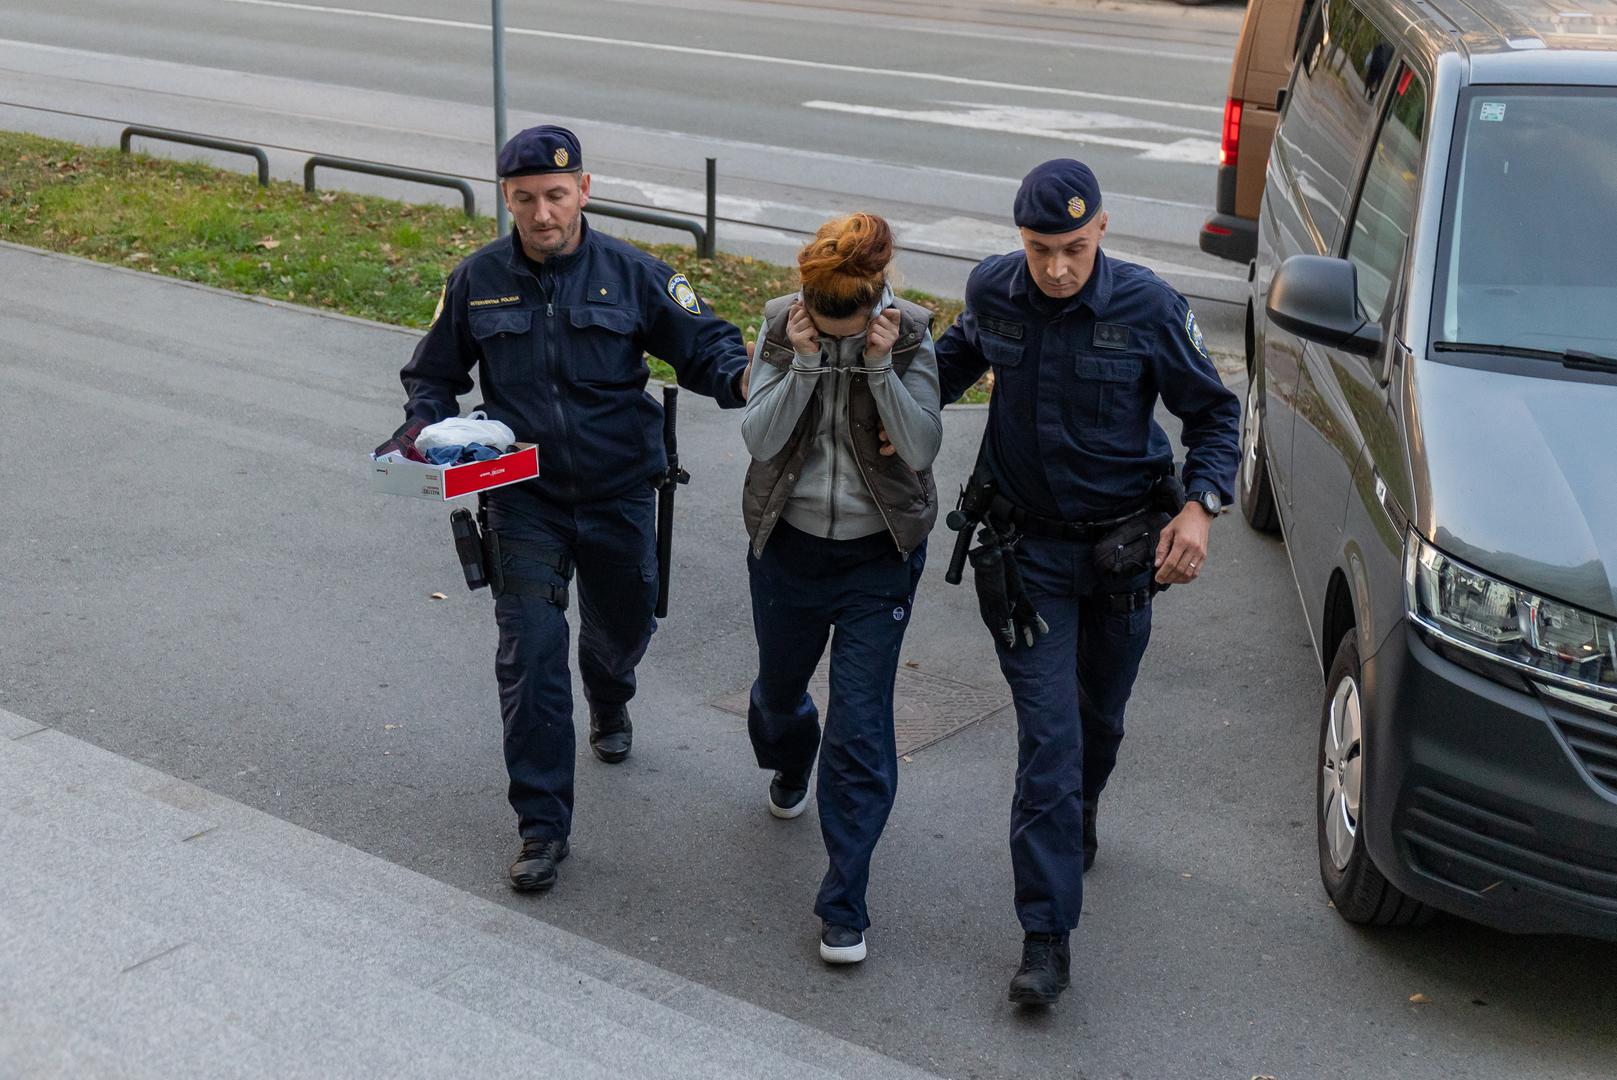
point(1493, 110)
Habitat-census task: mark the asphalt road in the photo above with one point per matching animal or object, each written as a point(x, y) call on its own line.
point(197, 576)
point(928, 113)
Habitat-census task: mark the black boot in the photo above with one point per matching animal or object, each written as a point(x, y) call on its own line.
point(1091, 845)
point(534, 869)
point(610, 732)
point(1046, 963)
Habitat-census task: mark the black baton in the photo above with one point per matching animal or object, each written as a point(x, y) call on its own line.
point(666, 486)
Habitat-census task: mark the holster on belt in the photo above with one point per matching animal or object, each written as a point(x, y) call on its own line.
point(1129, 549)
point(482, 559)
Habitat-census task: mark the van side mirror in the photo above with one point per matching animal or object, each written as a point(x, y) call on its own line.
point(1280, 100)
point(1317, 297)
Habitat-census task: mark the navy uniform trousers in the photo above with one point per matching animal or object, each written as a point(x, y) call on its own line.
point(803, 587)
point(614, 548)
point(1069, 690)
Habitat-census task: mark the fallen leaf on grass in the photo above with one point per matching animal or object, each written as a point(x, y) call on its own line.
point(439, 596)
point(269, 243)
point(138, 256)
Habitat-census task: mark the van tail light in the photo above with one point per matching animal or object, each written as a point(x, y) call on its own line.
point(1230, 144)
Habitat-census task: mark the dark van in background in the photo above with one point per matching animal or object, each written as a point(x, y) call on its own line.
point(1431, 424)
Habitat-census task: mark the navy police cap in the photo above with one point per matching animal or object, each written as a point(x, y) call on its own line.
point(547, 148)
point(1057, 197)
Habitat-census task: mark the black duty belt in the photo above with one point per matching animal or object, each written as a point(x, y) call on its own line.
point(1001, 509)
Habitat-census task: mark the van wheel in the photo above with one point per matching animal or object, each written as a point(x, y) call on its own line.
point(1252, 479)
point(1351, 880)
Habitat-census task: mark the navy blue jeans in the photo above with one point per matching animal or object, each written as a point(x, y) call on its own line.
point(613, 544)
point(804, 588)
point(1069, 690)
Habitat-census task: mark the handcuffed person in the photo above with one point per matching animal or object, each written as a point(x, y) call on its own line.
point(838, 540)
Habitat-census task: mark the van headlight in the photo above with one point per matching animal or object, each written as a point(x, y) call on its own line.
point(1483, 615)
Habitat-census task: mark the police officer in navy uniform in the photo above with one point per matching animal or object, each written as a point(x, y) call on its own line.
point(1081, 347)
point(557, 318)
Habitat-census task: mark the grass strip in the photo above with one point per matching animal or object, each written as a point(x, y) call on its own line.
point(360, 255)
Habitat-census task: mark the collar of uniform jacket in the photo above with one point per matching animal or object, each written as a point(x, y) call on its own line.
point(556, 264)
point(1096, 293)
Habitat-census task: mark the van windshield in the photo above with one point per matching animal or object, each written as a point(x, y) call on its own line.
point(1528, 257)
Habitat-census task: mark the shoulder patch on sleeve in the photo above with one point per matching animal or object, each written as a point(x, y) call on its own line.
point(439, 310)
point(684, 295)
point(1194, 332)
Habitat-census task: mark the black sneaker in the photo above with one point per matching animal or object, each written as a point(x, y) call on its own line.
point(611, 733)
point(788, 794)
point(841, 944)
point(1091, 845)
point(1046, 963)
point(534, 869)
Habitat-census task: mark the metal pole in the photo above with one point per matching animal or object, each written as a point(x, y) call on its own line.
point(502, 222)
point(712, 208)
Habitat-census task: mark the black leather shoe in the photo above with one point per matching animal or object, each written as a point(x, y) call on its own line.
point(535, 867)
point(611, 734)
point(1091, 845)
point(1045, 970)
point(788, 794)
point(841, 944)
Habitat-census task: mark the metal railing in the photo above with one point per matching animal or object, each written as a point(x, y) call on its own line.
point(208, 141)
point(396, 172)
point(705, 234)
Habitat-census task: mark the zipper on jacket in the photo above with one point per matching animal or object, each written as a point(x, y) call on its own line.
point(831, 496)
point(549, 293)
point(864, 473)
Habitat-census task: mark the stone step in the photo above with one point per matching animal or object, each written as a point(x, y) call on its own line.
point(117, 1025)
point(273, 1003)
point(251, 880)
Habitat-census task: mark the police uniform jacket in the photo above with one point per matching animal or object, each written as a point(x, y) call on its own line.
point(1071, 433)
point(560, 347)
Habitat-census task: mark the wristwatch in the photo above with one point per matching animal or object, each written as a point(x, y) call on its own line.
point(1209, 501)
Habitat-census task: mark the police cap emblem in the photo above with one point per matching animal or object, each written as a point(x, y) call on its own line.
point(684, 295)
point(1076, 207)
point(560, 157)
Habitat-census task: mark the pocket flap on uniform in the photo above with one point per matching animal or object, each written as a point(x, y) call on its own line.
point(619, 320)
point(999, 352)
point(1120, 369)
point(486, 324)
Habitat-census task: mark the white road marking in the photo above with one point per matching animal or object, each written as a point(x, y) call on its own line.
point(724, 54)
point(1043, 124)
point(959, 234)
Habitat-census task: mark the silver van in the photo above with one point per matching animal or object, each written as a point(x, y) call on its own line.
point(1431, 425)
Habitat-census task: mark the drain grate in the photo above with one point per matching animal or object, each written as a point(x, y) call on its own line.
point(927, 708)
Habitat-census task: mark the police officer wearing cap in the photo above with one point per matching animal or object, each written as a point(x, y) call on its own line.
point(557, 318)
point(1082, 517)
